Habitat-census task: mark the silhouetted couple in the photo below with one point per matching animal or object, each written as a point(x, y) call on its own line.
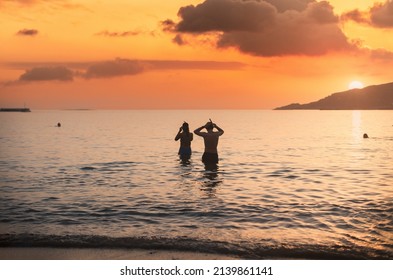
point(210, 156)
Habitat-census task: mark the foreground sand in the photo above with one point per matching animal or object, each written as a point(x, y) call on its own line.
point(15, 253)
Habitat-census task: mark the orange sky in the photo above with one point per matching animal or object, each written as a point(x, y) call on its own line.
point(188, 54)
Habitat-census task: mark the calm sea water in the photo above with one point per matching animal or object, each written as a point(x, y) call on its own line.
point(301, 184)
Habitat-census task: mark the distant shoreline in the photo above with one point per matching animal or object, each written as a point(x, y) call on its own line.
point(23, 110)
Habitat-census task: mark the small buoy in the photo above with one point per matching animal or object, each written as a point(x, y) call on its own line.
point(365, 135)
point(58, 124)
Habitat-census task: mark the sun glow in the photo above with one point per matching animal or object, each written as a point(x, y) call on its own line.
point(355, 84)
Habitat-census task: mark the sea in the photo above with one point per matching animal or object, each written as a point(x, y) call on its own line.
point(289, 184)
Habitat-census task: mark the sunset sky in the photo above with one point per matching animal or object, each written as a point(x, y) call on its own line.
point(189, 54)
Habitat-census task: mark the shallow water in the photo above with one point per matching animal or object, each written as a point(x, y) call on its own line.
point(289, 183)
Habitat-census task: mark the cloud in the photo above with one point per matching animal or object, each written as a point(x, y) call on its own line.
point(227, 16)
point(27, 32)
point(58, 73)
point(187, 64)
point(379, 54)
point(68, 71)
point(117, 67)
point(178, 39)
point(52, 4)
point(125, 67)
point(23, 2)
point(168, 25)
point(264, 28)
point(357, 16)
point(288, 5)
point(118, 34)
point(380, 15)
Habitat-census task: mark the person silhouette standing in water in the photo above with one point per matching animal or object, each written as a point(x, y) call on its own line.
point(210, 156)
point(185, 137)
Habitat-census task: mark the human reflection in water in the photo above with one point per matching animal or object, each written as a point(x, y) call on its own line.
point(211, 179)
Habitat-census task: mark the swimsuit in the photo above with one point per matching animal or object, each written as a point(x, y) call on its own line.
point(209, 158)
point(185, 152)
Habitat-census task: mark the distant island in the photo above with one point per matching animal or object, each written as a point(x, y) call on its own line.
point(377, 97)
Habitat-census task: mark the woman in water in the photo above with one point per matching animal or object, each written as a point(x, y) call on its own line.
point(185, 137)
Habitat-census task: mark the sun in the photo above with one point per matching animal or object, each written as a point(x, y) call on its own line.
point(355, 84)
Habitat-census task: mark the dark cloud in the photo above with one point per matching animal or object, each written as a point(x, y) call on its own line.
point(356, 15)
point(265, 28)
point(226, 15)
point(118, 67)
point(27, 32)
point(321, 12)
point(58, 73)
point(233, 15)
point(168, 25)
point(288, 40)
point(288, 5)
point(380, 15)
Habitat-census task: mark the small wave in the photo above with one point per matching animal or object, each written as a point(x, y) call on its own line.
point(242, 250)
point(118, 163)
point(108, 166)
point(87, 168)
point(50, 198)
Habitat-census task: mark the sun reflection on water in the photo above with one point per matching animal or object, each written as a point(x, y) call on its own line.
point(357, 125)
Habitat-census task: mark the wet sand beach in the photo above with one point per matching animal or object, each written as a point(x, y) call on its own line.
point(15, 253)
